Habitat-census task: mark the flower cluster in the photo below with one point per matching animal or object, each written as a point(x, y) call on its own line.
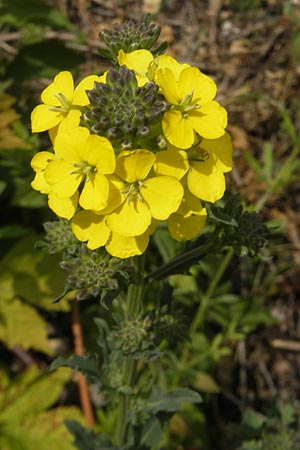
point(141, 144)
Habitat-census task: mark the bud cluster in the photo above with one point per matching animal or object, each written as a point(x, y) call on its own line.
point(129, 36)
point(96, 274)
point(122, 111)
point(141, 336)
point(59, 238)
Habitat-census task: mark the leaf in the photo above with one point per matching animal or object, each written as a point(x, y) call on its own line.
point(172, 400)
point(253, 419)
point(87, 364)
point(152, 433)
point(31, 393)
point(204, 382)
point(86, 440)
point(268, 161)
point(20, 324)
point(32, 274)
point(25, 423)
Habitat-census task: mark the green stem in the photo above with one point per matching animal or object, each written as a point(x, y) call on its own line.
point(200, 313)
point(199, 317)
point(133, 307)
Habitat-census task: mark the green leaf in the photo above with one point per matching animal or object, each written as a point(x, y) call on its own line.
point(32, 274)
point(20, 324)
point(31, 393)
point(87, 364)
point(86, 439)
point(152, 433)
point(25, 423)
point(43, 60)
point(204, 382)
point(253, 419)
point(172, 400)
point(268, 161)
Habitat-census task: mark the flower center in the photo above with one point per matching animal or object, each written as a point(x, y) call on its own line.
point(85, 169)
point(65, 103)
point(198, 153)
point(186, 105)
point(132, 190)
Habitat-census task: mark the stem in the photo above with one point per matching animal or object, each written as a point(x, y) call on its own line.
point(198, 319)
point(200, 313)
point(133, 306)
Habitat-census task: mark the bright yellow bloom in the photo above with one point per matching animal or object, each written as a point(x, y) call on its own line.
point(39, 163)
point(163, 62)
point(138, 61)
point(143, 196)
point(81, 157)
point(173, 162)
point(61, 101)
point(193, 108)
point(63, 207)
point(92, 228)
point(208, 161)
point(188, 220)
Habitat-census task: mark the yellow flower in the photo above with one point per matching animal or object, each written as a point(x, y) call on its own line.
point(191, 94)
point(173, 162)
point(208, 161)
point(39, 163)
point(63, 207)
point(81, 157)
point(163, 62)
point(188, 220)
point(143, 196)
point(138, 61)
point(61, 101)
point(91, 227)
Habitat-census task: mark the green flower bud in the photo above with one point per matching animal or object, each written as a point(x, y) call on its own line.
point(95, 273)
point(129, 36)
point(124, 112)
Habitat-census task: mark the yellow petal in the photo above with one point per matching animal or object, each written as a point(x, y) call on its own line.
point(222, 149)
point(130, 219)
point(166, 80)
point(125, 247)
point(166, 61)
point(80, 97)
point(134, 165)
point(206, 185)
point(94, 194)
point(178, 130)
point(41, 160)
point(138, 61)
point(42, 118)
point(171, 162)
point(115, 198)
point(186, 228)
point(60, 176)
point(63, 207)
point(193, 81)
point(70, 144)
point(40, 184)
point(209, 121)
point(63, 83)
point(99, 152)
point(90, 227)
point(163, 195)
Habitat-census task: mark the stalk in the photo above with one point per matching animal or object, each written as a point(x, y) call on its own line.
point(133, 306)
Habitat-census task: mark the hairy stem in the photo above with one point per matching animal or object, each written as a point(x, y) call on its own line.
point(133, 307)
